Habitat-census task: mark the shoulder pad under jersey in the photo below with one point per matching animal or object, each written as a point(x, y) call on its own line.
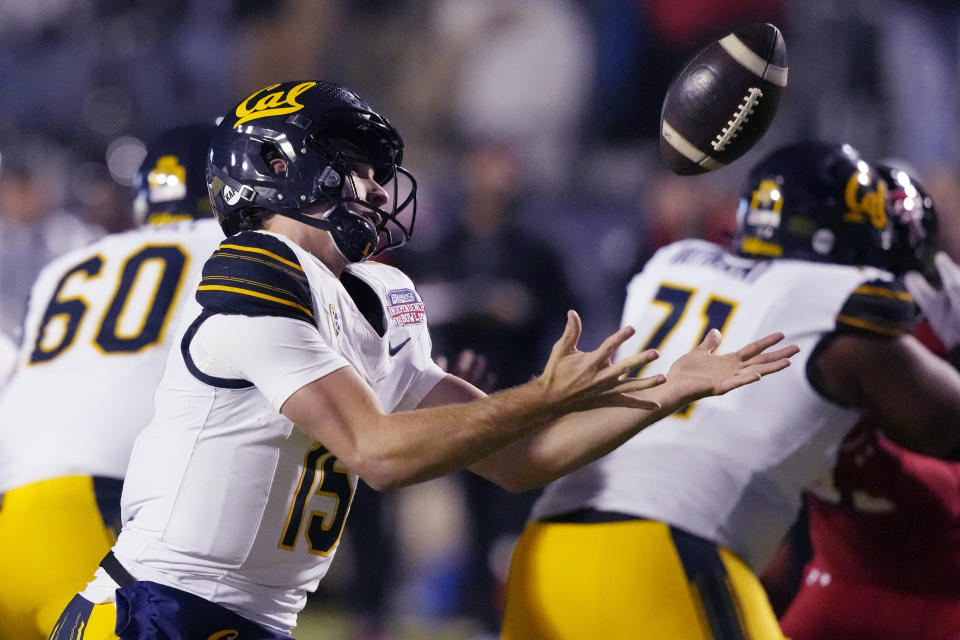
point(879, 308)
point(254, 274)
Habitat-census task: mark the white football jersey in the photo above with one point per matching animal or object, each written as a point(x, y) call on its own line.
point(98, 327)
point(732, 468)
point(224, 498)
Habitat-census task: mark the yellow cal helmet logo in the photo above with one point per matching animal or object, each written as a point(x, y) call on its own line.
point(767, 196)
point(872, 206)
point(167, 180)
point(277, 103)
point(226, 634)
point(765, 205)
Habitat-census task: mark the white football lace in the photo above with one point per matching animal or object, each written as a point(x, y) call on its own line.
point(743, 113)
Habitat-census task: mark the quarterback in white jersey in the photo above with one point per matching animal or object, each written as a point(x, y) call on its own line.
point(681, 518)
point(99, 323)
point(281, 523)
point(301, 367)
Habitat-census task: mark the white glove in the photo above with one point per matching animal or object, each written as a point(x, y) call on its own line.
point(940, 306)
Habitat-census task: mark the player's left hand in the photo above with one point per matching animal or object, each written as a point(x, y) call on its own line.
point(702, 373)
point(940, 306)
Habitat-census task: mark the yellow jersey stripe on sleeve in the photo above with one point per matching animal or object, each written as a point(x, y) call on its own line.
point(237, 247)
point(255, 294)
point(884, 292)
point(860, 323)
point(256, 274)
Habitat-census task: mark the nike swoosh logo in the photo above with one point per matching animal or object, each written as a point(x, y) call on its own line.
point(394, 350)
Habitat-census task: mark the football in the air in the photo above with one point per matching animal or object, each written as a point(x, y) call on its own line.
point(723, 100)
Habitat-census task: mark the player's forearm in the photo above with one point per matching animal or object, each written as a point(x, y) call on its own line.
point(342, 411)
point(414, 446)
point(573, 441)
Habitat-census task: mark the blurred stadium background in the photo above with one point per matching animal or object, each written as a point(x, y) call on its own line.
point(532, 127)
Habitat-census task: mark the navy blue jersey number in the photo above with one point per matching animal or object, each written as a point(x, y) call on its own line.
point(716, 314)
point(170, 260)
point(326, 477)
point(71, 310)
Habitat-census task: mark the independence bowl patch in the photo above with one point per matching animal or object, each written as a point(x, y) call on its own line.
point(405, 307)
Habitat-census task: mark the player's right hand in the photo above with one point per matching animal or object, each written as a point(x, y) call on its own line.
point(701, 373)
point(940, 306)
point(575, 380)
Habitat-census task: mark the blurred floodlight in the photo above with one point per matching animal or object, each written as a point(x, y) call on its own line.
point(124, 156)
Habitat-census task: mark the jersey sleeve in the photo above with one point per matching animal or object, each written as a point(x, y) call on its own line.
point(879, 308)
point(254, 274)
point(421, 374)
point(421, 379)
point(279, 355)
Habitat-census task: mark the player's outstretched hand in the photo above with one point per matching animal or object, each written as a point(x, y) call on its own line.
point(473, 368)
point(702, 373)
point(940, 306)
point(575, 380)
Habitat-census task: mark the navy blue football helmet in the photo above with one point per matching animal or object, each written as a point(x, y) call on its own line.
point(303, 128)
point(915, 223)
point(171, 183)
point(814, 201)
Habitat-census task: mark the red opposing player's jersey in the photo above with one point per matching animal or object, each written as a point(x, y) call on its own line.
point(889, 516)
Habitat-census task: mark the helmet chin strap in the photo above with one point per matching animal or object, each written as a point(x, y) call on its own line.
point(354, 236)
